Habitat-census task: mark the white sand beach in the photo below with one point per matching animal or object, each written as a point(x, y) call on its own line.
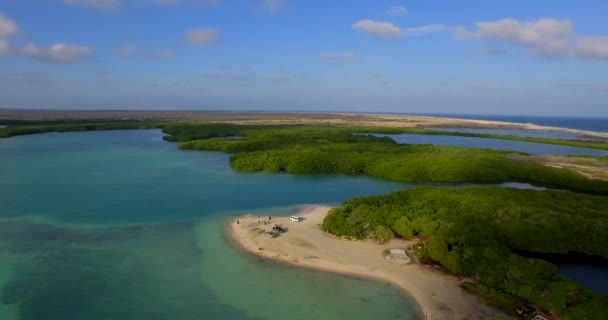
point(305, 244)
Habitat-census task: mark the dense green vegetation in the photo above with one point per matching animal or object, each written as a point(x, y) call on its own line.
point(17, 128)
point(474, 230)
point(313, 150)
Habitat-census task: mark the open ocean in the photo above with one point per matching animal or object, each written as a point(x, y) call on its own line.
point(599, 124)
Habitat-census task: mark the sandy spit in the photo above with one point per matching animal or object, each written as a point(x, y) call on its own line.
point(306, 245)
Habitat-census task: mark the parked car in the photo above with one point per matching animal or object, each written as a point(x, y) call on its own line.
point(295, 219)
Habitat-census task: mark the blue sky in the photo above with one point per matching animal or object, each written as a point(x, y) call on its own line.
point(479, 57)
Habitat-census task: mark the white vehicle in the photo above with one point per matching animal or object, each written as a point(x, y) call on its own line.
point(295, 219)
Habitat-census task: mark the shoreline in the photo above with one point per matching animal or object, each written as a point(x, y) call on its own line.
point(290, 118)
point(437, 295)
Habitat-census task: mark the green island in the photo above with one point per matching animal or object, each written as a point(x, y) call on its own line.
point(471, 231)
point(24, 127)
point(474, 231)
point(339, 150)
point(480, 233)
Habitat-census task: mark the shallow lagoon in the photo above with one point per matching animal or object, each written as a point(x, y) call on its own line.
point(122, 225)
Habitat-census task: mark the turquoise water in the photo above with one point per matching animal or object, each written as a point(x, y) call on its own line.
point(122, 225)
point(486, 143)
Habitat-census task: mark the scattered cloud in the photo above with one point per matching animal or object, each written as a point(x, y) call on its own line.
point(388, 30)
point(396, 10)
point(201, 37)
point(125, 51)
point(29, 76)
point(95, 4)
point(377, 29)
point(592, 47)
point(166, 54)
point(546, 36)
point(8, 27)
point(271, 5)
point(59, 52)
point(423, 30)
point(483, 86)
point(345, 56)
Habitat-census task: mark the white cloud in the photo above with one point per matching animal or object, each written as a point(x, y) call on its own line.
point(125, 52)
point(5, 47)
point(546, 36)
point(345, 56)
point(8, 27)
point(166, 54)
point(201, 37)
point(396, 10)
point(96, 4)
point(58, 53)
point(272, 5)
point(424, 30)
point(593, 47)
point(388, 30)
point(378, 29)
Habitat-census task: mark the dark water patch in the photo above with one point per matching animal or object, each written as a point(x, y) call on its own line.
point(589, 271)
point(144, 272)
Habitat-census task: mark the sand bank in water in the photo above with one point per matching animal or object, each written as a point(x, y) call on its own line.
point(305, 244)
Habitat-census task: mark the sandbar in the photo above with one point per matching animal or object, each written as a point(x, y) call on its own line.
point(305, 244)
